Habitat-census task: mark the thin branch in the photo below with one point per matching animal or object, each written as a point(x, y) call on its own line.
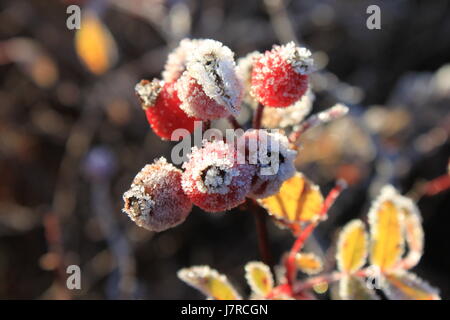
point(234, 123)
point(291, 269)
point(257, 117)
point(261, 229)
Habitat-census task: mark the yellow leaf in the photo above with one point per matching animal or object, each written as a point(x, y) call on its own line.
point(298, 200)
point(354, 288)
point(259, 278)
point(321, 288)
point(386, 230)
point(95, 45)
point(404, 285)
point(308, 263)
point(209, 282)
point(352, 247)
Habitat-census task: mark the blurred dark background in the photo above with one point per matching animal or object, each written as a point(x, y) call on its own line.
point(72, 135)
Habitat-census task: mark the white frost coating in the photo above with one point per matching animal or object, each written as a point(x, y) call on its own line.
point(176, 61)
point(139, 210)
point(354, 288)
point(249, 268)
point(336, 111)
point(213, 171)
point(415, 235)
point(244, 71)
point(275, 161)
point(148, 92)
point(349, 227)
point(298, 57)
point(387, 193)
point(212, 65)
point(155, 200)
point(289, 116)
point(197, 277)
point(409, 280)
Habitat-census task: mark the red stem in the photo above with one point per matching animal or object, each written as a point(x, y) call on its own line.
point(257, 118)
point(234, 123)
point(261, 229)
point(437, 185)
point(291, 269)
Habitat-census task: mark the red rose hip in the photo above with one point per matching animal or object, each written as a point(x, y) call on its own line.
point(280, 76)
point(213, 179)
point(161, 104)
point(156, 200)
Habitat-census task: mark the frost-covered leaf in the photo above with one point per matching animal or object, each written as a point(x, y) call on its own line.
point(352, 247)
point(298, 200)
point(259, 278)
point(386, 230)
point(308, 263)
point(413, 231)
point(354, 288)
point(403, 285)
point(209, 282)
point(94, 44)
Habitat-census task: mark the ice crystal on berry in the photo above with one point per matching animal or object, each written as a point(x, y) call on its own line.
point(176, 61)
point(210, 73)
point(148, 91)
point(162, 108)
point(298, 57)
point(273, 158)
point(280, 76)
point(213, 179)
point(155, 200)
point(244, 71)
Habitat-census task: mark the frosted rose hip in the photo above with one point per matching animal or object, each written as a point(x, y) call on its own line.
point(213, 180)
point(273, 158)
point(177, 59)
point(162, 108)
point(280, 76)
point(209, 88)
point(156, 200)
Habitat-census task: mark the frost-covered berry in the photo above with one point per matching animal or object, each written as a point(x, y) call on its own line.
point(209, 88)
point(213, 179)
point(176, 61)
point(244, 71)
point(161, 104)
point(156, 200)
point(273, 158)
point(280, 76)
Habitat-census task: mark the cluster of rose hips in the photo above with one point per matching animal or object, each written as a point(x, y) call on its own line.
point(201, 83)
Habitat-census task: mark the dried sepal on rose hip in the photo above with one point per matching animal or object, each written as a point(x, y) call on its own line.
point(209, 88)
point(269, 152)
point(213, 179)
point(156, 200)
point(161, 104)
point(280, 76)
